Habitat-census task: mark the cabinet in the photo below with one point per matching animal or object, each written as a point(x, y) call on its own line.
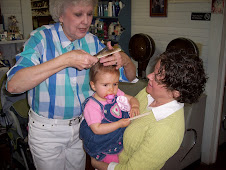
point(123, 18)
point(40, 13)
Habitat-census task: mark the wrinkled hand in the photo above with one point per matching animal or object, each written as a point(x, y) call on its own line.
point(120, 58)
point(134, 111)
point(80, 59)
point(124, 122)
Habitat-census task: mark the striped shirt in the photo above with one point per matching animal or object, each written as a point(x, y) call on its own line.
point(60, 96)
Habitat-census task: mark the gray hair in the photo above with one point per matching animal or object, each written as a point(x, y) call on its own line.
point(57, 7)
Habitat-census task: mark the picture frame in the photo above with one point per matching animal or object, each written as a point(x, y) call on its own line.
point(158, 8)
point(217, 6)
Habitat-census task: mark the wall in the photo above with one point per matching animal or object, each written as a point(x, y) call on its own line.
point(22, 10)
point(176, 24)
point(209, 37)
point(27, 17)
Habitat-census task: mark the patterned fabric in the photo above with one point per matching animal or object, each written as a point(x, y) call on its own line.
point(98, 146)
point(61, 95)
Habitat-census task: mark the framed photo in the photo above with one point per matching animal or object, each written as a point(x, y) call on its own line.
point(217, 6)
point(158, 8)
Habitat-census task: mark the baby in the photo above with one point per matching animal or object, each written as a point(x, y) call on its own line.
point(106, 114)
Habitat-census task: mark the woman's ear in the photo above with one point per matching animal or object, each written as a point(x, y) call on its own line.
point(61, 19)
point(92, 85)
point(176, 94)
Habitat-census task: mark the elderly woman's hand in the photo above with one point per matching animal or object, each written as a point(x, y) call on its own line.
point(120, 58)
point(80, 59)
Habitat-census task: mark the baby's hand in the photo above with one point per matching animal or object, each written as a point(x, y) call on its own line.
point(134, 111)
point(124, 122)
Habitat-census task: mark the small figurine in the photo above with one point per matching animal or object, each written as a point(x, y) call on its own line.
point(13, 24)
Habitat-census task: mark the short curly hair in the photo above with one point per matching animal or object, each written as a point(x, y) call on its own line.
point(57, 7)
point(182, 72)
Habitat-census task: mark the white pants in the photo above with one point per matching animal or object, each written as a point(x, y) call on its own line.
point(55, 145)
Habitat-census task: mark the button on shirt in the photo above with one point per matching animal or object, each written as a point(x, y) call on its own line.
point(60, 96)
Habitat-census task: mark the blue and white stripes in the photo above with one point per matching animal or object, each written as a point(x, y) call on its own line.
point(60, 96)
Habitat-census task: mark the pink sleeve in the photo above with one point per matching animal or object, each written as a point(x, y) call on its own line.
point(92, 112)
point(120, 93)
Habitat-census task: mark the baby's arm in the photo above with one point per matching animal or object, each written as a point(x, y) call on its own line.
point(105, 128)
point(135, 105)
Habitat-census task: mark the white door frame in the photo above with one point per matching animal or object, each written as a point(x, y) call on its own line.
point(215, 87)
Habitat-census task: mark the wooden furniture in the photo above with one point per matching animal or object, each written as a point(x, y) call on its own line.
point(40, 13)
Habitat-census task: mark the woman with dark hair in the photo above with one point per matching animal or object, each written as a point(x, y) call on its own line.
point(151, 140)
point(180, 72)
point(54, 69)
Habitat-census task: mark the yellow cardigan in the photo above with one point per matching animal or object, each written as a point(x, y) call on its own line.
point(148, 143)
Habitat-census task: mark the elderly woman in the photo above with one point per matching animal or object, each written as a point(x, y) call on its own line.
point(151, 140)
point(54, 69)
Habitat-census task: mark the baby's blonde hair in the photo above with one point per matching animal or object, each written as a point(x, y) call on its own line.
point(99, 68)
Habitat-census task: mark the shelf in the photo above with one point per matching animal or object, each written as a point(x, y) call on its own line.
point(37, 0)
point(39, 5)
point(41, 15)
point(12, 42)
point(40, 8)
point(102, 17)
point(122, 31)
